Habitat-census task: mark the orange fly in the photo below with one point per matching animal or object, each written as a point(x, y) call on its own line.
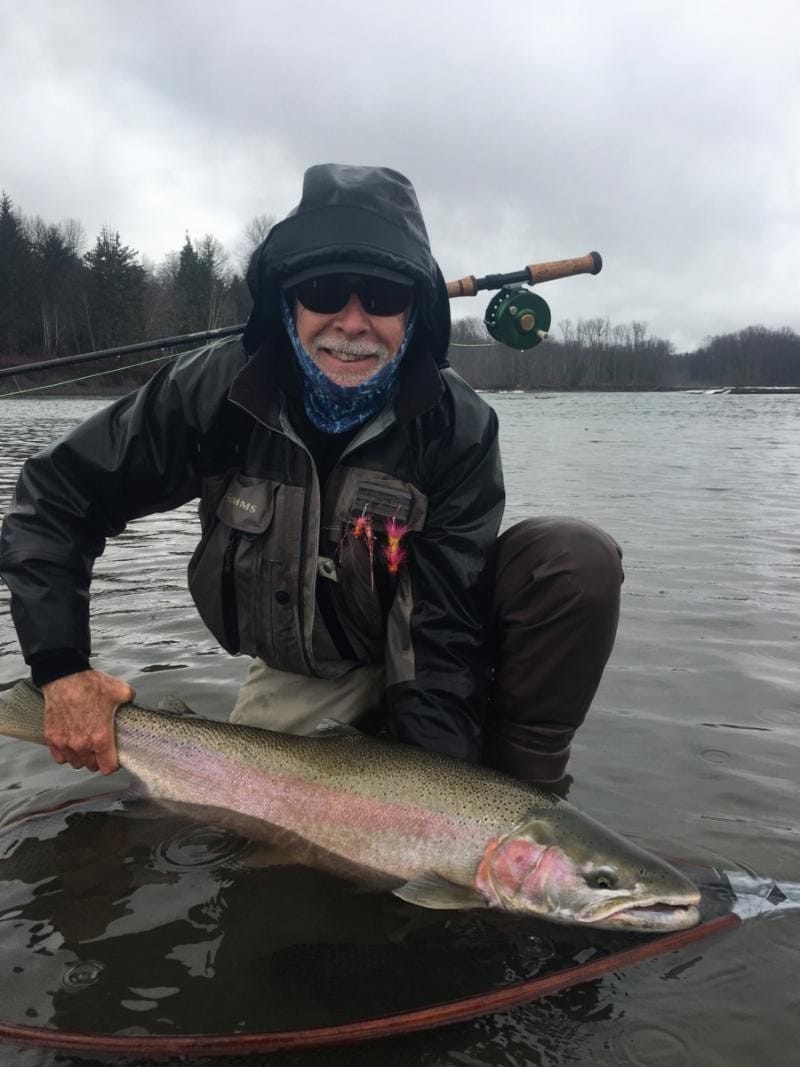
point(394, 552)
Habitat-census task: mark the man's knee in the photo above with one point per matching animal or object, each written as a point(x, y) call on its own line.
point(577, 556)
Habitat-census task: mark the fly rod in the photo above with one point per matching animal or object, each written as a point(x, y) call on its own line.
point(514, 316)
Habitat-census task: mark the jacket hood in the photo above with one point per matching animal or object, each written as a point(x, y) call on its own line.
point(350, 214)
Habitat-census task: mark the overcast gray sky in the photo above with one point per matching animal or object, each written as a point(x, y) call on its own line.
point(665, 134)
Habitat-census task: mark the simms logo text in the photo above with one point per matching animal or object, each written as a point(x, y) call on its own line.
point(239, 503)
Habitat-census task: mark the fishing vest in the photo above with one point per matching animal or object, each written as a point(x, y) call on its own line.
point(301, 578)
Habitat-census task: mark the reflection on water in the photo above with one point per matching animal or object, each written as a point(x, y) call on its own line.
point(119, 919)
point(692, 746)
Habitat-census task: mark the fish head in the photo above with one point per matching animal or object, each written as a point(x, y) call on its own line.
point(563, 866)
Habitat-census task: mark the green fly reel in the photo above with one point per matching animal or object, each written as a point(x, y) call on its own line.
point(517, 317)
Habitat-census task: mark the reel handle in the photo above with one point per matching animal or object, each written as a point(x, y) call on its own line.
point(591, 263)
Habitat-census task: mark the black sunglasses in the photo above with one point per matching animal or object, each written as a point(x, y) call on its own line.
point(329, 293)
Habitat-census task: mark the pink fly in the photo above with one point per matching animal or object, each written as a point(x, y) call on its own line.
point(362, 529)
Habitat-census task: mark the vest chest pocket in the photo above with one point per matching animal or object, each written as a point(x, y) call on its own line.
point(362, 507)
point(232, 561)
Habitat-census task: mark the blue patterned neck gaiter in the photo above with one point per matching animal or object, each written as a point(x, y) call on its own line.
point(335, 408)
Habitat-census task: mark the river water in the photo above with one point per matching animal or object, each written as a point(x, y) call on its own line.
point(692, 747)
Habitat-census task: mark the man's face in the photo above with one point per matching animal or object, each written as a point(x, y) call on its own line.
point(350, 345)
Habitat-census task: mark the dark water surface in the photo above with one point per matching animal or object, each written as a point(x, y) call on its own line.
point(116, 916)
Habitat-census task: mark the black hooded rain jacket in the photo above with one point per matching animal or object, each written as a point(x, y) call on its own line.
point(279, 572)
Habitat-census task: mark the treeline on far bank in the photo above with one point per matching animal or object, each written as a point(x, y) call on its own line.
point(593, 354)
point(58, 300)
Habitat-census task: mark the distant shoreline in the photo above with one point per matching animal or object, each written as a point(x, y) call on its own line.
point(43, 392)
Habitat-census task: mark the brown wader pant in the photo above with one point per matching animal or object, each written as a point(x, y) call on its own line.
point(554, 618)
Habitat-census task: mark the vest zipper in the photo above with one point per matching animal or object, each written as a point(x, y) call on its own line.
point(230, 615)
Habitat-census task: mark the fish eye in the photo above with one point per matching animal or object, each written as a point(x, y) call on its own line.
point(602, 878)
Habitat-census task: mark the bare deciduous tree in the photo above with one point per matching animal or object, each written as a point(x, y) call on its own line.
point(253, 234)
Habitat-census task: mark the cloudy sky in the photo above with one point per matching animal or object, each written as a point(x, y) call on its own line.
point(663, 133)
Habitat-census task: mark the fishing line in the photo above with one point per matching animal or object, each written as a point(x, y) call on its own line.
point(86, 377)
point(477, 344)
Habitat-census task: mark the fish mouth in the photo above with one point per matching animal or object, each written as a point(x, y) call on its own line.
point(648, 916)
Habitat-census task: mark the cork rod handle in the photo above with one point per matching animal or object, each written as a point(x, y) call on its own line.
point(591, 263)
point(533, 274)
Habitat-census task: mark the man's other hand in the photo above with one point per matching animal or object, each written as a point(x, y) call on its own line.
point(79, 719)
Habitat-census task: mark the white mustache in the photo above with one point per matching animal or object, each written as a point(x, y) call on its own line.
point(341, 346)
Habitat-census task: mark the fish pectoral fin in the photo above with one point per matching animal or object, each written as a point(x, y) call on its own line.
point(175, 706)
point(430, 890)
point(334, 728)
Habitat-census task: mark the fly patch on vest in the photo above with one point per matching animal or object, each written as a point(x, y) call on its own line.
point(368, 520)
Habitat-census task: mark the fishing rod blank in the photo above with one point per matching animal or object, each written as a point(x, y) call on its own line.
point(124, 350)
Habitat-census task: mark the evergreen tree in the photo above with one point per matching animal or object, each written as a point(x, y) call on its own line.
point(114, 293)
point(17, 316)
point(202, 286)
point(189, 290)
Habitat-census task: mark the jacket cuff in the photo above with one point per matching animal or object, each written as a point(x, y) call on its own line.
point(527, 764)
point(57, 663)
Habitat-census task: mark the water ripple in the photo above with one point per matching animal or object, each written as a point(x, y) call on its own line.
point(80, 975)
point(202, 848)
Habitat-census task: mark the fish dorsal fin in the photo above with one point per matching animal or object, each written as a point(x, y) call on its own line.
point(430, 890)
point(334, 728)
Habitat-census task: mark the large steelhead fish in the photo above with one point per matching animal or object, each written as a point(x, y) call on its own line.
point(439, 832)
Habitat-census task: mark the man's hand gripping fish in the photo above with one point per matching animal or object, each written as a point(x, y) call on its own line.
point(438, 832)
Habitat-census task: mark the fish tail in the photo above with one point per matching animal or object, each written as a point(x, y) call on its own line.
point(22, 713)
